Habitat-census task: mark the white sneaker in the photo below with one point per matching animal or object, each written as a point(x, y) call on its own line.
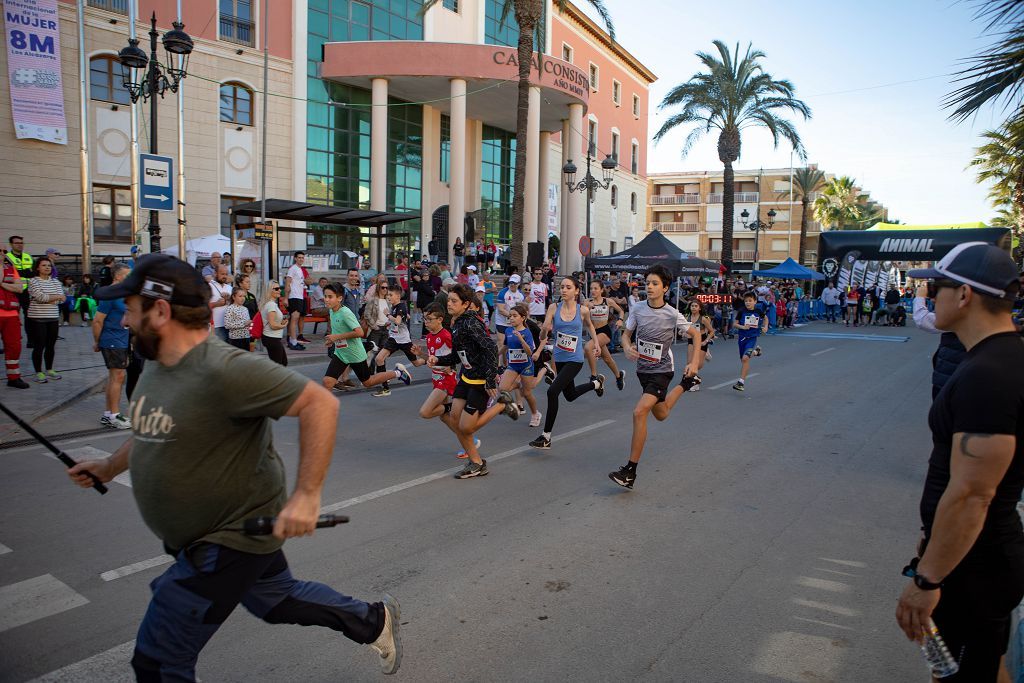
point(388, 644)
point(535, 420)
point(117, 421)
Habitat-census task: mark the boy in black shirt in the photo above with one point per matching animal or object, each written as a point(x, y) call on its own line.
point(969, 575)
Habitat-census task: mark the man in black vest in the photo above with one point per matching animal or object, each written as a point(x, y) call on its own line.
point(969, 573)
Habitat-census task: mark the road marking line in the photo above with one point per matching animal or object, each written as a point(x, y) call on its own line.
point(854, 337)
point(92, 453)
point(450, 471)
point(818, 353)
point(826, 607)
point(127, 570)
point(824, 623)
point(845, 563)
point(823, 584)
point(834, 571)
point(112, 666)
point(27, 601)
point(76, 439)
point(4, 549)
point(729, 383)
point(137, 567)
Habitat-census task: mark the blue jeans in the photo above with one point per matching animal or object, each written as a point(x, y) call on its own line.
point(831, 312)
point(207, 581)
point(221, 332)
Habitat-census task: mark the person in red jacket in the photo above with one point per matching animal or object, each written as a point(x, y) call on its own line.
point(10, 323)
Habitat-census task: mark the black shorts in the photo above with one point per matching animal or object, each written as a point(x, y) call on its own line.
point(337, 366)
point(604, 329)
point(501, 331)
point(475, 396)
point(297, 306)
point(391, 346)
point(116, 359)
point(655, 384)
point(974, 611)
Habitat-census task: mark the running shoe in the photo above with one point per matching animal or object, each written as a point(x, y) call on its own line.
point(506, 397)
point(117, 421)
point(739, 386)
point(695, 388)
point(599, 389)
point(535, 420)
point(52, 374)
point(303, 340)
point(620, 381)
point(403, 374)
point(549, 376)
point(389, 644)
point(512, 410)
point(623, 476)
point(383, 391)
point(708, 356)
point(757, 350)
point(296, 347)
point(345, 385)
point(462, 452)
point(17, 383)
point(541, 442)
point(472, 469)
point(687, 383)
point(40, 378)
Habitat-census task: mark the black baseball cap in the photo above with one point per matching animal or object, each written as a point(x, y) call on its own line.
point(161, 276)
point(984, 267)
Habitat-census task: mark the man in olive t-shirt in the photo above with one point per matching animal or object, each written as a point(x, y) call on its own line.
point(203, 462)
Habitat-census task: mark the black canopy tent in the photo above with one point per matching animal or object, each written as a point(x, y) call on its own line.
point(288, 210)
point(651, 250)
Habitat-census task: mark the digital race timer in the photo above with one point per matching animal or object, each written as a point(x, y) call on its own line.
point(714, 298)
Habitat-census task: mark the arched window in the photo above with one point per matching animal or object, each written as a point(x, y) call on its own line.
point(106, 83)
point(632, 202)
point(236, 104)
point(615, 196)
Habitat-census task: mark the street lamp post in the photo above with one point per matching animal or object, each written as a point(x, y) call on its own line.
point(757, 226)
point(157, 81)
point(589, 183)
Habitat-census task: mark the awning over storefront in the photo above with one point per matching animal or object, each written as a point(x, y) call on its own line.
point(288, 210)
point(421, 72)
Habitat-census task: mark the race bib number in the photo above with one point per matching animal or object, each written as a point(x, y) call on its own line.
point(465, 361)
point(518, 356)
point(341, 344)
point(750, 320)
point(567, 342)
point(650, 351)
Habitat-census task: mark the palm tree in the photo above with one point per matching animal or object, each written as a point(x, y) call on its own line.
point(528, 15)
point(1001, 161)
point(732, 94)
point(997, 73)
point(806, 181)
point(840, 204)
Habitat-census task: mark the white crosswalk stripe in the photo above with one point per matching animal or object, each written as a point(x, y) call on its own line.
point(33, 599)
point(90, 453)
point(4, 549)
point(111, 666)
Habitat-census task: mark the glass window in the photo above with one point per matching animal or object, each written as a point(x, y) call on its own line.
point(634, 161)
point(636, 105)
point(452, 5)
point(632, 202)
point(566, 53)
point(112, 214)
point(236, 23)
point(106, 82)
point(496, 186)
point(615, 196)
point(498, 31)
point(119, 6)
point(593, 76)
point(225, 218)
point(616, 93)
point(615, 146)
point(236, 104)
point(592, 137)
point(446, 148)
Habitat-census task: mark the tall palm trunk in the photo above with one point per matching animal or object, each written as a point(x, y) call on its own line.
point(804, 201)
point(728, 152)
point(527, 13)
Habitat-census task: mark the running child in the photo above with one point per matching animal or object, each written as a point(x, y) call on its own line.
point(601, 309)
point(520, 372)
point(650, 332)
point(751, 322)
point(537, 295)
point(696, 315)
point(565, 321)
point(439, 345)
point(347, 352)
point(398, 336)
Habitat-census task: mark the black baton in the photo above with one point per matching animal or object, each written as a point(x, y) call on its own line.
point(61, 455)
point(263, 526)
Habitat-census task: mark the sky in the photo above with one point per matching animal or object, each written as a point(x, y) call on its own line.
point(874, 74)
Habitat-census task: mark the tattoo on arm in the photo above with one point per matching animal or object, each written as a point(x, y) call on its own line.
point(967, 438)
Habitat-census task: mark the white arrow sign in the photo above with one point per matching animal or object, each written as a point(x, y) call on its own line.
point(161, 197)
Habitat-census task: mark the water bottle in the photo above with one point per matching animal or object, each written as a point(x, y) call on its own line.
point(936, 654)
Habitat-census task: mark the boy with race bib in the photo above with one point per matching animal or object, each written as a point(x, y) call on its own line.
point(751, 322)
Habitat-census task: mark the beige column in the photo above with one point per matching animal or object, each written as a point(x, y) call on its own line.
point(563, 203)
point(531, 200)
point(542, 187)
point(571, 249)
point(379, 162)
point(457, 184)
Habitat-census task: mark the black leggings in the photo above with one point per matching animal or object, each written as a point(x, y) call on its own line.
point(563, 384)
point(43, 335)
point(275, 349)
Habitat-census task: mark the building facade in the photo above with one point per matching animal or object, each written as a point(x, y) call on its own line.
point(687, 208)
point(41, 182)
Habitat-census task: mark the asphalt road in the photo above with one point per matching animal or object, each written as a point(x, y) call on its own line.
point(763, 540)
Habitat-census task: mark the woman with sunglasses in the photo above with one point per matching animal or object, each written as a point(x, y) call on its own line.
point(274, 324)
point(248, 267)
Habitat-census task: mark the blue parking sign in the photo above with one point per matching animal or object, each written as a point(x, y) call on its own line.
point(156, 183)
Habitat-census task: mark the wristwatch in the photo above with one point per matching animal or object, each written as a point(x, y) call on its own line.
point(920, 581)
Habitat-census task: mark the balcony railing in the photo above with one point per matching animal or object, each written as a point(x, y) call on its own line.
point(676, 227)
point(236, 30)
point(738, 197)
point(737, 255)
point(810, 257)
point(661, 200)
point(119, 6)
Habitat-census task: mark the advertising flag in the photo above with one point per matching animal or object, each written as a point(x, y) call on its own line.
point(33, 66)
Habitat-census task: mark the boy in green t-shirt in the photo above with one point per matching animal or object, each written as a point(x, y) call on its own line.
point(343, 328)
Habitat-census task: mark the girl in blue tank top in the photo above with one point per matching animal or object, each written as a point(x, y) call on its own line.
point(564, 324)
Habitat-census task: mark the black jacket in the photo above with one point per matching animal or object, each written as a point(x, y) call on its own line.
point(474, 349)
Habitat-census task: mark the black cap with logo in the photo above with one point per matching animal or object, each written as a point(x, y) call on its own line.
point(986, 268)
point(161, 276)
